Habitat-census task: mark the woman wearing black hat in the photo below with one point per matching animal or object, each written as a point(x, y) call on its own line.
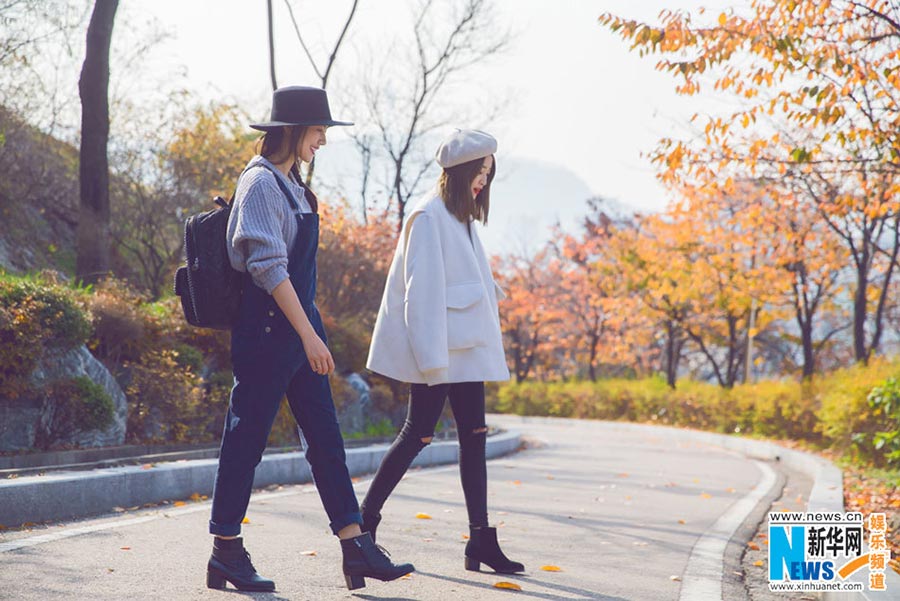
point(278, 347)
point(438, 328)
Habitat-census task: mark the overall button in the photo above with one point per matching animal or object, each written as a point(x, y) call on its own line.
point(268, 329)
point(271, 313)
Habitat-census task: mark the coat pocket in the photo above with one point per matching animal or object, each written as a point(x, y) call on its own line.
point(465, 312)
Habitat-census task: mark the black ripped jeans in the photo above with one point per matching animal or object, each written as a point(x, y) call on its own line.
point(425, 406)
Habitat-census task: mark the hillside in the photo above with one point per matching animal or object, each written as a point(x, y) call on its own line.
point(38, 199)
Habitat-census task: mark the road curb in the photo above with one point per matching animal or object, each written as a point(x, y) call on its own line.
point(827, 494)
point(68, 495)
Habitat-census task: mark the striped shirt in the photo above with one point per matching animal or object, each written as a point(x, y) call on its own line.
point(262, 227)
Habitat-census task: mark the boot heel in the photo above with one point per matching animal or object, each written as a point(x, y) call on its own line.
point(354, 581)
point(473, 565)
point(215, 580)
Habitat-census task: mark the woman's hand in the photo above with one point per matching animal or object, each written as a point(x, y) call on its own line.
point(317, 354)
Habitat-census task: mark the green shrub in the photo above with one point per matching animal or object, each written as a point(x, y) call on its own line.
point(845, 408)
point(63, 324)
point(75, 405)
point(881, 443)
point(189, 357)
point(35, 315)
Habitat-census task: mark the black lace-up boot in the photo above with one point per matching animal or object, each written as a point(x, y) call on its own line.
point(364, 559)
point(230, 561)
point(484, 548)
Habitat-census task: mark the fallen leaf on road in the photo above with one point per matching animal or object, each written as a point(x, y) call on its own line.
point(245, 521)
point(682, 522)
point(517, 482)
point(549, 477)
point(729, 489)
point(423, 516)
point(758, 563)
point(753, 546)
point(195, 497)
point(465, 536)
point(118, 509)
point(551, 568)
point(427, 540)
point(406, 577)
point(705, 495)
point(509, 585)
point(622, 475)
point(640, 544)
point(308, 553)
point(110, 570)
point(179, 503)
point(125, 548)
point(502, 513)
point(675, 578)
point(147, 466)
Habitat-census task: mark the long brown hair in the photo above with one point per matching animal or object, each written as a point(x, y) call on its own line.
point(455, 185)
point(271, 145)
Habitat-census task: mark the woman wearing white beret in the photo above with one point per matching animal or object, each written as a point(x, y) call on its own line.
point(438, 328)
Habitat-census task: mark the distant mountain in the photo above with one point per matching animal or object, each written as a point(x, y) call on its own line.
point(528, 198)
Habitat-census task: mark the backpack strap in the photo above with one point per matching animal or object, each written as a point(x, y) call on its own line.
point(284, 189)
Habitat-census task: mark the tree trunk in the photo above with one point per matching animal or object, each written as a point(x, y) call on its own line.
point(671, 355)
point(860, 311)
point(92, 263)
point(809, 361)
point(271, 47)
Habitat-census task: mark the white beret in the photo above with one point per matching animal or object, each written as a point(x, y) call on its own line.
point(463, 146)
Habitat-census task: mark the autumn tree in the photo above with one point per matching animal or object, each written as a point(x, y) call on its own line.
point(163, 177)
point(599, 327)
point(529, 315)
point(818, 83)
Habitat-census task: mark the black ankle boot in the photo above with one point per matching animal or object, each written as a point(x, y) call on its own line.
point(230, 561)
point(364, 559)
point(484, 548)
point(370, 523)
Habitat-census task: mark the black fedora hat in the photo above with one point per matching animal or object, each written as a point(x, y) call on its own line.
point(299, 105)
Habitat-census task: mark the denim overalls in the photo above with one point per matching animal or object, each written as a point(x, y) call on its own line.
point(269, 361)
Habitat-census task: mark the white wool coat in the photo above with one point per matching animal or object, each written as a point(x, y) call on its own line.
point(438, 321)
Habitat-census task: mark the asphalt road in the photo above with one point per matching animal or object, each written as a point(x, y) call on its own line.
point(624, 515)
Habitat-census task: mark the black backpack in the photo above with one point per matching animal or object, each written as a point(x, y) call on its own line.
point(209, 287)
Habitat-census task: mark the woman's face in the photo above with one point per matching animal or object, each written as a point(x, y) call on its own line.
point(481, 179)
point(310, 142)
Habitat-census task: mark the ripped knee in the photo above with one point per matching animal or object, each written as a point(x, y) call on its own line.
point(481, 430)
point(426, 440)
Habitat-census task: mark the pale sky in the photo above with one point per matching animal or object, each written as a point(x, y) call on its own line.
point(581, 99)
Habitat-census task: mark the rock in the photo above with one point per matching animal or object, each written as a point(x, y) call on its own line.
point(20, 419)
point(352, 416)
point(18, 422)
point(80, 362)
